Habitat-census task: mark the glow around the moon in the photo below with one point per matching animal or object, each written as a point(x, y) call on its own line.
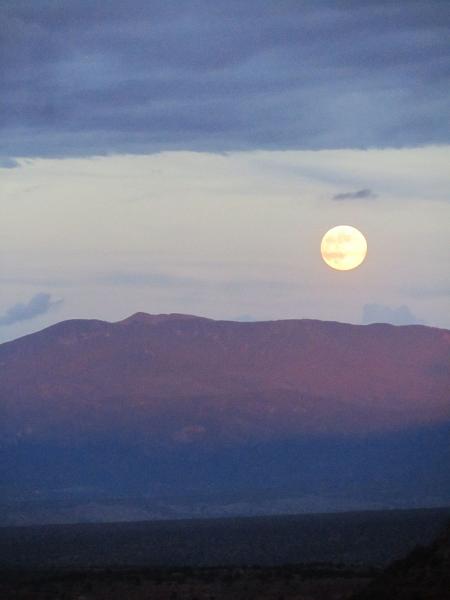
point(343, 247)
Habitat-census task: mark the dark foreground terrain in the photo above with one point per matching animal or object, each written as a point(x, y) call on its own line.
point(320, 582)
point(313, 582)
point(423, 574)
point(314, 557)
point(372, 538)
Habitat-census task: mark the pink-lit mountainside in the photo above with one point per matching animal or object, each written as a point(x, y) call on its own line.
point(184, 404)
point(177, 379)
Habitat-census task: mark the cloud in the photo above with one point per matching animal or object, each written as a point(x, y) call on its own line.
point(379, 313)
point(8, 163)
point(90, 77)
point(364, 194)
point(166, 280)
point(39, 304)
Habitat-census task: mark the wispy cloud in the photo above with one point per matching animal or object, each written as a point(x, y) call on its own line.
point(364, 194)
point(380, 313)
point(8, 163)
point(167, 280)
point(40, 304)
point(32, 280)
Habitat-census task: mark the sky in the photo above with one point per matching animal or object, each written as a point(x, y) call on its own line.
point(189, 156)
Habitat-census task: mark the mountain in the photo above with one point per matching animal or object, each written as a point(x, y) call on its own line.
point(185, 404)
point(183, 378)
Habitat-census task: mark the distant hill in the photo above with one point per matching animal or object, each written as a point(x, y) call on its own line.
point(160, 404)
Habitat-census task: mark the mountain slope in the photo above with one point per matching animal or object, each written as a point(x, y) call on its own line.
point(179, 377)
point(283, 415)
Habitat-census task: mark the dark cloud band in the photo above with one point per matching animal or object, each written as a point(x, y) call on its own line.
point(83, 78)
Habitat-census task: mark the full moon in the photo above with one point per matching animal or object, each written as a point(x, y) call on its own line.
point(343, 248)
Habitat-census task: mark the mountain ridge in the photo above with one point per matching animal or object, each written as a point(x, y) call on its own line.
point(157, 318)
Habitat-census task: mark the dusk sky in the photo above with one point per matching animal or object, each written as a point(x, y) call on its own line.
point(170, 156)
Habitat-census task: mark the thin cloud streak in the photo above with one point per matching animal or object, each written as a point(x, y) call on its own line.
point(364, 194)
point(164, 280)
point(439, 290)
